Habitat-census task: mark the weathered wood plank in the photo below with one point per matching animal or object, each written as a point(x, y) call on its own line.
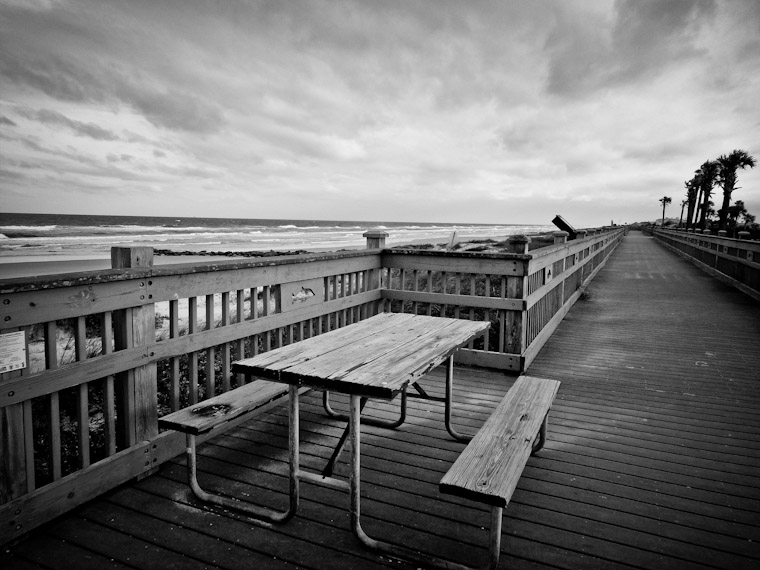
point(211, 413)
point(377, 357)
point(490, 467)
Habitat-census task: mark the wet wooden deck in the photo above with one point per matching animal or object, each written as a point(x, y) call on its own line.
point(652, 460)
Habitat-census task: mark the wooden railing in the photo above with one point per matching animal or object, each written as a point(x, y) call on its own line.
point(106, 353)
point(524, 293)
point(733, 261)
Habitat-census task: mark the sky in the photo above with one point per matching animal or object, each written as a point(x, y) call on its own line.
point(496, 112)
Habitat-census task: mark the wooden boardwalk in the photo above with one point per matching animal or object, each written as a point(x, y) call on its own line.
point(652, 459)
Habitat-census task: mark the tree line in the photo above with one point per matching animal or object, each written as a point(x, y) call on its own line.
point(700, 212)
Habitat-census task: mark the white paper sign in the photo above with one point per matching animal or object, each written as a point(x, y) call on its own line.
point(12, 351)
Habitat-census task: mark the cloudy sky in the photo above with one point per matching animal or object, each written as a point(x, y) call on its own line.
point(450, 111)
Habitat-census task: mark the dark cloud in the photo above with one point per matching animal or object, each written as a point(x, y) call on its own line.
point(61, 80)
point(119, 157)
point(659, 152)
point(646, 38)
point(649, 35)
point(172, 109)
point(57, 53)
point(80, 128)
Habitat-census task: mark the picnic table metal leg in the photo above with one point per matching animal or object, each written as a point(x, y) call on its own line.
point(369, 421)
point(255, 511)
point(539, 443)
point(494, 549)
point(449, 402)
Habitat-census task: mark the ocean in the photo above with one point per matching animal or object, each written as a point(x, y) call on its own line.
point(51, 236)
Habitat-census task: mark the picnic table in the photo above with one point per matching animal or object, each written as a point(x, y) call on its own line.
point(381, 358)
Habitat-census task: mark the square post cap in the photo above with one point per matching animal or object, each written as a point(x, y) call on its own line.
point(375, 238)
point(518, 244)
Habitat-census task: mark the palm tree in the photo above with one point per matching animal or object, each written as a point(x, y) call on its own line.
point(665, 200)
point(738, 209)
point(708, 173)
point(683, 205)
point(692, 186)
point(727, 166)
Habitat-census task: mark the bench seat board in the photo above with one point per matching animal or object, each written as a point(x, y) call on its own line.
point(206, 415)
point(491, 465)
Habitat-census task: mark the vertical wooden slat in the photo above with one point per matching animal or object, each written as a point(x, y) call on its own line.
point(109, 398)
point(502, 315)
point(53, 428)
point(83, 416)
point(192, 358)
point(31, 478)
point(457, 291)
point(253, 303)
point(109, 405)
point(265, 312)
point(54, 435)
point(174, 389)
point(487, 313)
point(429, 289)
point(31, 481)
point(444, 290)
point(210, 383)
point(472, 309)
point(225, 356)
point(240, 314)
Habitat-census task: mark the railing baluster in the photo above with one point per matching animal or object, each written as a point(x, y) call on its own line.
point(82, 403)
point(192, 358)
point(210, 384)
point(174, 332)
point(225, 355)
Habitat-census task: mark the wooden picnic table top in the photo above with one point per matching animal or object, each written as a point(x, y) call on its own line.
point(377, 357)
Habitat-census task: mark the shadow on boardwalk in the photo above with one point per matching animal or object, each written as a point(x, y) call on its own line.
point(652, 459)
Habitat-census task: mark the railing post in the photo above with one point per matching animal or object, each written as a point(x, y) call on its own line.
point(137, 417)
point(560, 237)
point(16, 440)
point(518, 244)
point(515, 333)
point(375, 239)
point(743, 235)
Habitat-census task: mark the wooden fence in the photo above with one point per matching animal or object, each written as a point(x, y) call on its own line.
point(733, 261)
point(105, 353)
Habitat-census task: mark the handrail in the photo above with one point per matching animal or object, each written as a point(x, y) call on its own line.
point(733, 261)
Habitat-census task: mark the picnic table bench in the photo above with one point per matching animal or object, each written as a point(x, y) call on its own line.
point(488, 469)
point(380, 359)
point(199, 419)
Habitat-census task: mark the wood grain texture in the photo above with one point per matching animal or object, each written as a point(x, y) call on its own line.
point(207, 415)
point(377, 357)
point(491, 465)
